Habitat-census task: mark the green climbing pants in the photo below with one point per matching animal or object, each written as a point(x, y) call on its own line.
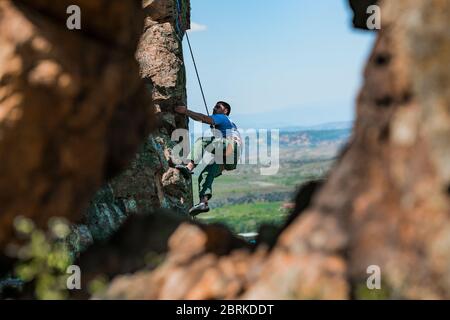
point(230, 151)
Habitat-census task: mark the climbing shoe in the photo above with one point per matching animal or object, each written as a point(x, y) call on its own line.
point(198, 208)
point(184, 170)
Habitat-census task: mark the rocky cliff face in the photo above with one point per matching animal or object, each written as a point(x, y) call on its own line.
point(149, 183)
point(64, 95)
point(386, 202)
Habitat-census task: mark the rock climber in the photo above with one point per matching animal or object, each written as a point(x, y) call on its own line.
point(226, 138)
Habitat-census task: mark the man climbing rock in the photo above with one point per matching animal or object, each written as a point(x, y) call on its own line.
point(225, 145)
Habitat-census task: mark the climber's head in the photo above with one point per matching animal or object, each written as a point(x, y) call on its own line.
point(222, 108)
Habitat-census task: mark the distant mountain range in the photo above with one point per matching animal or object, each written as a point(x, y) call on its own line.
point(262, 121)
point(317, 117)
point(320, 127)
point(315, 137)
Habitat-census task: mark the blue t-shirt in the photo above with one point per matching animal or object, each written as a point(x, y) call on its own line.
point(225, 125)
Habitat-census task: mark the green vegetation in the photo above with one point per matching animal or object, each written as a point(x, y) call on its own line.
point(98, 285)
point(363, 293)
point(247, 180)
point(244, 218)
point(44, 257)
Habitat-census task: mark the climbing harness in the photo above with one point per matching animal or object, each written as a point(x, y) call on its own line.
point(179, 30)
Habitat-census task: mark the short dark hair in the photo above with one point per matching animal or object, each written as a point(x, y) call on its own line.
point(226, 106)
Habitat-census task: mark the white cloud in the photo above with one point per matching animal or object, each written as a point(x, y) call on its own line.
point(197, 27)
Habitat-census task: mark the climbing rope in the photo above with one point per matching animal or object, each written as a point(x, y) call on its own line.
point(179, 28)
point(196, 72)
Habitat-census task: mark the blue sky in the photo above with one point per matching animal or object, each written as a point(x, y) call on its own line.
point(278, 63)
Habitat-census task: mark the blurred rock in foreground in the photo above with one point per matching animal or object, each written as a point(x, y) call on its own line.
point(64, 95)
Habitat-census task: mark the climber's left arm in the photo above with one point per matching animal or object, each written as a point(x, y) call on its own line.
point(195, 115)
